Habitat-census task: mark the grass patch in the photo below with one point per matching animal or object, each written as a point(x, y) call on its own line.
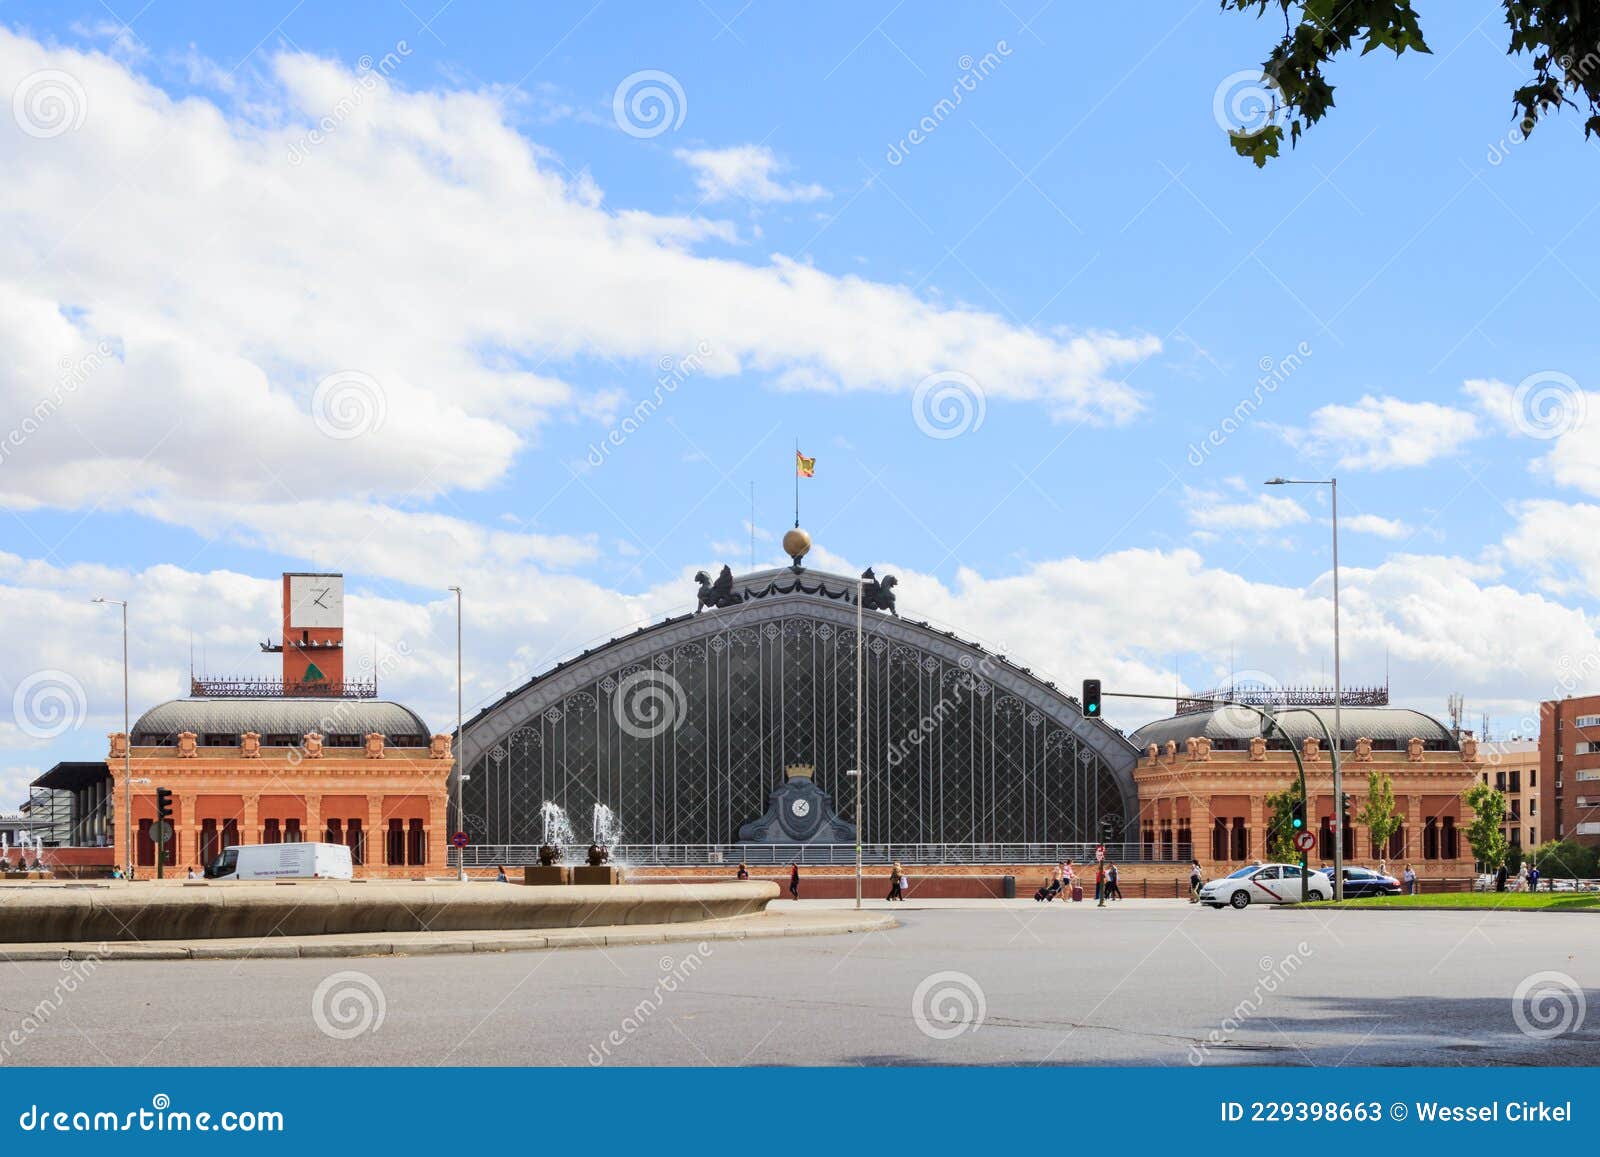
point(1517, 901)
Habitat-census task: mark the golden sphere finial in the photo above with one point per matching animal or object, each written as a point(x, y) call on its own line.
point(796, 544)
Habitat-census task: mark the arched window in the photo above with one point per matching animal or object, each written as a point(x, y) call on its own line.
point(1450, 848)
point(209, 848)
point(291, 831)
point(1219, 839)
point(357, 841)
point(1430, 838)
point(417, 845)
point(334, 833)
point(270, 833)
point(1185, 840)
point(395, 844)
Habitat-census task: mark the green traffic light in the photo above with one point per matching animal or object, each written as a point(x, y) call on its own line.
point(1094, 708)
point(1299, 823)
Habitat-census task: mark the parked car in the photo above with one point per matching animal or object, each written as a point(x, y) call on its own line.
point(1360, 882)
point(1264, 884)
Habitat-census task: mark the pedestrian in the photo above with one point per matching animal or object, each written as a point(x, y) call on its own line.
point(1113, 889)
point(1522, 877)
point(794, 879)
point(744, 872)
point(894, 883)
point(1194, 881)
point(500, 875)
point(905, 886)
point(1067, 879)
point(190, 876)
point(116, 873)
point(1100, 884)
point(1533, 878)
point(1410, 880)
point(1500, 878)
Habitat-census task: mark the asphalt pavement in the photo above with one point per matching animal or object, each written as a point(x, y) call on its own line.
point(1136, 983)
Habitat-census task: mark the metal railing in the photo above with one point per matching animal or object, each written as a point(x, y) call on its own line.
point(697, 855)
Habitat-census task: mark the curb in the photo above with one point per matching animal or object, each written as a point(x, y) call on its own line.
point(451, 943)
point(1452, 908)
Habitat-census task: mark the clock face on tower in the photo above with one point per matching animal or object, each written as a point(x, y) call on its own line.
point(316, 600)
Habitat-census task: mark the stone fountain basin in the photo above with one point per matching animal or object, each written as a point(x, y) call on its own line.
point(151, 910)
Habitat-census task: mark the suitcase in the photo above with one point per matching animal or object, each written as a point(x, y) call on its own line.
point(1077, 893)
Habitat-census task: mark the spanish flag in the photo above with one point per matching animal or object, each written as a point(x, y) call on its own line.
point(805, 467)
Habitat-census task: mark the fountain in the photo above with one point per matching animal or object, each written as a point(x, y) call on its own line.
point(607, 833)
point(555, 836)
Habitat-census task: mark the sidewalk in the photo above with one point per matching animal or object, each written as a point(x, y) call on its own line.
point(791, 923)
point(912, 904)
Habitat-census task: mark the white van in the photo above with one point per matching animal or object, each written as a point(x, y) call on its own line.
point(282, 862)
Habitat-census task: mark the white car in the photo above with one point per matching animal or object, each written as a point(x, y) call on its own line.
point(1264, 884)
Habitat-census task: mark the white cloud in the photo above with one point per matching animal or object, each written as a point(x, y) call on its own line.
point(745, 171)
point(1375, 524)
point(1383, 433)
point(1210, 512)
point(1551, 408)
point(231, 260)
point(1559, 542)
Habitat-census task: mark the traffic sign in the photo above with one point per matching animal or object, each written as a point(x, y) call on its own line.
point(461, 839)
point(160, 831)
point(1304, 841)
point(1100, 852)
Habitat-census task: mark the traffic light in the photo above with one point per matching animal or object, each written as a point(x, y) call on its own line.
point(163, 816)
point(1091, 698)
point(1108, 829)
point(1297, 815)
point(164, 804)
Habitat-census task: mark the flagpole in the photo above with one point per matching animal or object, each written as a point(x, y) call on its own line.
point(797, 483)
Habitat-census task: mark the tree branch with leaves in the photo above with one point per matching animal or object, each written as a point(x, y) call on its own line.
point(1561, 36)
point(1489, 844)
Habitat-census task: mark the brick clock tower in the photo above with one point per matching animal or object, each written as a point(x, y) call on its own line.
point(313, 634)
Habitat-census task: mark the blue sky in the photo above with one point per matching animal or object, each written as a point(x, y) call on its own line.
point(1074, 246)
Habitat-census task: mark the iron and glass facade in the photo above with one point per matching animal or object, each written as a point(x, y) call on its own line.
point(684, 728)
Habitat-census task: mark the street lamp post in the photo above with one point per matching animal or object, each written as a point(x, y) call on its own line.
point(461, 768)
point(859, 772)
point(127, 747)
point(1338, 695)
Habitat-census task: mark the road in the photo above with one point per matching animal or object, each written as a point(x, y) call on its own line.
point(1141, 983)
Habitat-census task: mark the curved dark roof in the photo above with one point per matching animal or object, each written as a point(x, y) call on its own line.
point(400, 726)
point(1387, 726)
point(771, 594)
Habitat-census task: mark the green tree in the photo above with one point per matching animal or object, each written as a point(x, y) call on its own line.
point(1280, 827)
point(1488, 842)
point(1378, 814)
point(1561, 36)
point(1566, 860)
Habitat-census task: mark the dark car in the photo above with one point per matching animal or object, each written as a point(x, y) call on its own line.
point(1360, 882)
